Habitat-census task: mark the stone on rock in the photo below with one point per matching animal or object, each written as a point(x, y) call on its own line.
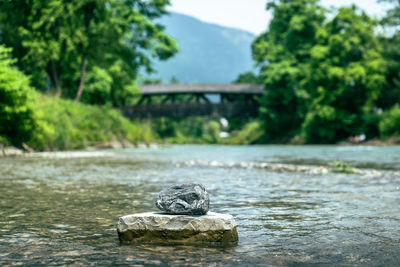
point(153, 227)
point(189, 199)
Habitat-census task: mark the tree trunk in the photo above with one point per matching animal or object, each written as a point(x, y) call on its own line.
point(56, 79)
point(82, 82)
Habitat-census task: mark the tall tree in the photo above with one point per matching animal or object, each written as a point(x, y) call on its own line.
point(64, 40)
point(322, 78)
point(344, 78)
point(391, 52)
point(281, 52)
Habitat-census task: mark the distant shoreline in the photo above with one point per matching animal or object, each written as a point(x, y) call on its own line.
point(11, 151)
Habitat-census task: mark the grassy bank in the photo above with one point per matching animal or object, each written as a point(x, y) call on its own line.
point(205, 130)
point(64, 125)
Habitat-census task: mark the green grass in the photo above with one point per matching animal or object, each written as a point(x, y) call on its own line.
point(249, 134)
point(341, 167)
point(64, 124)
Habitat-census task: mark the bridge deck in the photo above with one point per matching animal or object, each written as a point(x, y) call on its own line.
point(203, 88)
point(230, 106)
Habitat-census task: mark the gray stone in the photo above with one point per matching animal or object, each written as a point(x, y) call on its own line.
point(189, 199)
point(153, 227)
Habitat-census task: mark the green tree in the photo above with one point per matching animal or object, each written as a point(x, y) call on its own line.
point(392, 17)
point(282, 52)
point(391, 52)
point(248, 77)
point(390, 123)
point(64, 40)
point(17, 119)
point(344, 77)
point(98, 87)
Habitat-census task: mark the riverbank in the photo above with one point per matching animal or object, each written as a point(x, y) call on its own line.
point(60, 124)
point(391, 141)
point(63, 125)
point(11, 151)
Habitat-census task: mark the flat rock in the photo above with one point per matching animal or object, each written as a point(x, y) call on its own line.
point(189, 199)
point(154, 227)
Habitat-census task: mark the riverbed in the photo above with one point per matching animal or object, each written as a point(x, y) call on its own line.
point(291, 207)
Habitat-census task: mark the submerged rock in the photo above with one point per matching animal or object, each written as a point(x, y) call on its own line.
point(152, 227)
point(189, 199)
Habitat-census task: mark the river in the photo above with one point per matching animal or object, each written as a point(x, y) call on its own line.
point(62, 208)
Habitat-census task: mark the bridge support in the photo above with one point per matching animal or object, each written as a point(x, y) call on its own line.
point(191, 109)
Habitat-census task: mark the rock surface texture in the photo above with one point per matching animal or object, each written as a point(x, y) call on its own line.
point(153, 227)
point(189, 199)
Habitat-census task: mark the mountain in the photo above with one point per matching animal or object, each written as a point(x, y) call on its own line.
point(208, 52)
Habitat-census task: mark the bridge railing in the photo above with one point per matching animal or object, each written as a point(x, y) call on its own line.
point(191, 109)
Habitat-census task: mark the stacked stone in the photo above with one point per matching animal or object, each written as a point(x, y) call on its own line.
point(185, 219)
point(185, 199)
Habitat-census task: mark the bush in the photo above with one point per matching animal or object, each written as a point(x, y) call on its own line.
point(202, 130)
point(371, 124)
point(197, 130)
point(321, 126)
point(17, 120)
point(64, 124)
point(250, 134)
point(98, 87)
point(211, 132)
point(390, 123)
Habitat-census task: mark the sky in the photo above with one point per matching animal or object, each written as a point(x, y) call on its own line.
point(250, 15)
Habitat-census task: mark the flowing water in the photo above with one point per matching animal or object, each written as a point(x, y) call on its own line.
point(62, 208)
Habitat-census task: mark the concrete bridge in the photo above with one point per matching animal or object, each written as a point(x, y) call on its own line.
point(184, 100)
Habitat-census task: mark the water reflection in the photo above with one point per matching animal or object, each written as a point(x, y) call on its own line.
point(63, 210)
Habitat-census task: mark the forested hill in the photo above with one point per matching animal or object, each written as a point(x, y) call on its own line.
point(208, 52)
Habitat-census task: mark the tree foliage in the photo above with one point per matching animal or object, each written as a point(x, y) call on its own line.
point(392, 17)
point(390, 123)
point(345, 77)
point(322, 77)
point(282, 52)
point(248, 77)
point(17, 118)
point(65, 40)
point(391, 52)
